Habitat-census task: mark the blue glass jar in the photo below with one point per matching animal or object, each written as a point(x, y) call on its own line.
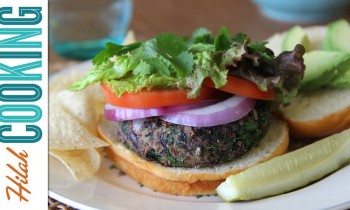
point(79, 29)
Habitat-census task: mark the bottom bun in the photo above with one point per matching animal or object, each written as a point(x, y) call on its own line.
point(191, 181)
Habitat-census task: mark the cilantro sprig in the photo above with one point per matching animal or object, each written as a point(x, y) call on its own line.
point(112, 49)
point(166, 53)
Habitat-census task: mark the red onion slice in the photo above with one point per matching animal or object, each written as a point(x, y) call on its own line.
point(229, 110)
point(114, 113)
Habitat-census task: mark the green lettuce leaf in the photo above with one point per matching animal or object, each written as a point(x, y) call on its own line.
point(282, 73)
point(205, 67)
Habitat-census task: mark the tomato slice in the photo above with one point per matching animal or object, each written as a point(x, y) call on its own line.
point(242, 87)
point(155, 98)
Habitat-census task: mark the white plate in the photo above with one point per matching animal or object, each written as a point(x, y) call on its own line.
point(111, 190)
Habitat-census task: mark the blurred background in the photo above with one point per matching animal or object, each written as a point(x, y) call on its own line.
point(147, 18)
point(181, 16)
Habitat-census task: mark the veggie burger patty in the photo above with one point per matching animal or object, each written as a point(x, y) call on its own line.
point(184, 146)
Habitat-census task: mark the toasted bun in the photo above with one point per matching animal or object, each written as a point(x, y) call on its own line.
point(318, 113)
point(191, 181)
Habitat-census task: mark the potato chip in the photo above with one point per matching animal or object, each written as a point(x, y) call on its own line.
point(80, 105)
point(82, 164)
point(62, 82)
point(129, 38)
point(66, 132)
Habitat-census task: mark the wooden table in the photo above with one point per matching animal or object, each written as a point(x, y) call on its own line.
point(151, 17)
point(182, 16)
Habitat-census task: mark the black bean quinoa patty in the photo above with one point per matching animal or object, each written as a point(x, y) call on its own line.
point(184, 146)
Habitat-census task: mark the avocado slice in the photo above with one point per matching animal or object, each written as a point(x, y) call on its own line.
point(337, 36)
point(295, 35)
point(342, 80)
point(322, 66)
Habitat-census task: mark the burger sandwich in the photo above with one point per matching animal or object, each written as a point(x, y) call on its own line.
point(184, 113)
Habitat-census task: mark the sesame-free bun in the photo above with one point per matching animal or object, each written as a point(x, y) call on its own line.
point(190, 181)
point(318, 113)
